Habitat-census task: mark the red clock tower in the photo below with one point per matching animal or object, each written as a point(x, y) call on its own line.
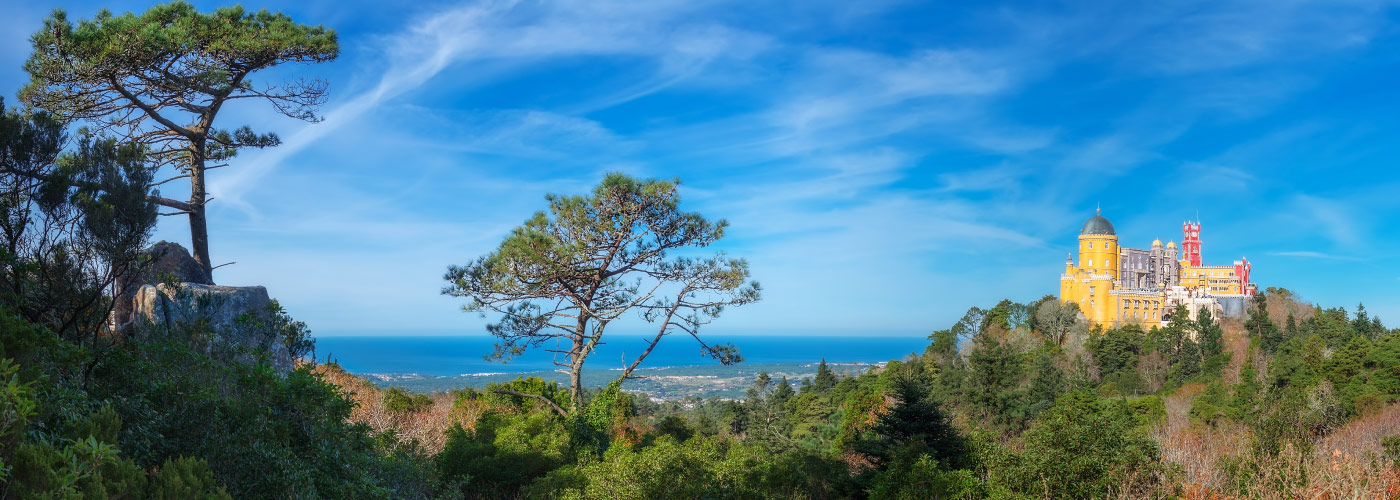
point(1191, 243)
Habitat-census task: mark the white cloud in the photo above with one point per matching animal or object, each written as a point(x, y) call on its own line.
point(1333, 219)
point(492, 32)
point(1308, 254)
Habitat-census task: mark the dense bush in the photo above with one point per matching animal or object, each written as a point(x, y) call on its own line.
point(204, 426)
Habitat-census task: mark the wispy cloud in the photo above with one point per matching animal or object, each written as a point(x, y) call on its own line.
point(1334, 219)
point(1305, 254)
point(844, 149)
point(514, 33)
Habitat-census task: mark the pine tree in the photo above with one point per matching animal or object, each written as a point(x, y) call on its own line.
point(783, 392)
point(914, 418)
point(161, 78)
point(825, 379)
point(566, 274)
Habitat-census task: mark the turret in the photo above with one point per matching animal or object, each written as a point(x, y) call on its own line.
point(1099, 257)
point(1172, 271)
point(1191, 243)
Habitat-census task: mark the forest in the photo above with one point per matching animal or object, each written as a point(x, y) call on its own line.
point(1016, 400)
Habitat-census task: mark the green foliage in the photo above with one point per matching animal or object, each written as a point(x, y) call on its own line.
point(825, 379)
point(396, 400)
point(1083, 447)
point(261, 434)
point(1150, 411)
point(676, 427)
point(1260, 327)
point(995, 370)
point(186, 479)
point(1385, 361)
point(1047, 383)
point(504, 452)
point(698, 468)
point(71, 222)
point(531, 385)
point(1390, 446)
point(913, 417)
point(1117, 351)
point(1212, 405)
point(914, 474)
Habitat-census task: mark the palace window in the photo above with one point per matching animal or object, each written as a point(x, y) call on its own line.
point(1091, 245)
point(1091, 262)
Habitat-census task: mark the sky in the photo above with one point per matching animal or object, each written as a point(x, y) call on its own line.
point(884, 165)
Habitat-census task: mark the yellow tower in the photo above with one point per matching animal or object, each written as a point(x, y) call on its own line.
point(1088, 283)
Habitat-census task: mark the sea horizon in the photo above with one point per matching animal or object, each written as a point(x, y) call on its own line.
point(430, 333)
point(464, 355)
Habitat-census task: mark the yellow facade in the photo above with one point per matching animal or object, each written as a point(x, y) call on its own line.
point(1211, 279)
point(1093, 281)
point(1144, 309)
point(1090, 282)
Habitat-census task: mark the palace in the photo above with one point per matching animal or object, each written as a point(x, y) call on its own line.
point(1115, 285)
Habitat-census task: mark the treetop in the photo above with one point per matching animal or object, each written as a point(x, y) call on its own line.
point(171, 50)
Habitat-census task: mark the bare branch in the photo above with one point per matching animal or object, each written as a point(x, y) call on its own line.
point(181, 176)
point(167, 202)
point(552, 404)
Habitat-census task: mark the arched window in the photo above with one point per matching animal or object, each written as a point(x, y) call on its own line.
point(1091, 262)
point(1091, 245)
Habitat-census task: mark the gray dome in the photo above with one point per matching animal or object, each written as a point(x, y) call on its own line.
point(1097, 225)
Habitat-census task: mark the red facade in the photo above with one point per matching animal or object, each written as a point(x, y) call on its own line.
point(1242, 270)
point(1191, 243)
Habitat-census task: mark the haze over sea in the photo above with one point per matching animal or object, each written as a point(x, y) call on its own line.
point(448, 356)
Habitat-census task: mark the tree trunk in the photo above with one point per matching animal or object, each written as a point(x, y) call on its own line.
point(576, 356)
point(199, 228)
point(199, 240)
point(576, 384)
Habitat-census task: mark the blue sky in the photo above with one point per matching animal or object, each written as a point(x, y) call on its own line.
point(884, 165)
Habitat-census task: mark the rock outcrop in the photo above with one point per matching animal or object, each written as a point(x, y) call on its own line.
point(173, 261)
point(178, 299)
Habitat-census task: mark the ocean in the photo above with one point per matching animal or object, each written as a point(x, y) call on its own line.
point(453, 356)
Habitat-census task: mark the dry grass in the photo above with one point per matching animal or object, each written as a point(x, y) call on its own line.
point(1237, 345)
point(1279, 306)
point(428, 426)
point(1196, 449)
point(1347, 463)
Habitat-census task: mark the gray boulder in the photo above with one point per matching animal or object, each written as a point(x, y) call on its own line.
point(172, 260)
point(230, 322)
point(165, 262)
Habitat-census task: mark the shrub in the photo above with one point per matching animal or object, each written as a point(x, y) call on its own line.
point(397, 400)
point(1083, 447)
point(1390, 445)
